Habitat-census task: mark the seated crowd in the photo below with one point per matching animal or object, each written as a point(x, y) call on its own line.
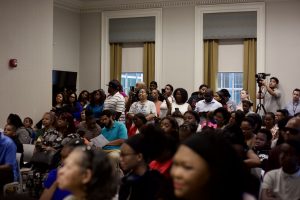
point(158, 145)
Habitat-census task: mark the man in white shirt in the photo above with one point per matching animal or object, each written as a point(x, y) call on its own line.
point(293, 107)
point(208, 103)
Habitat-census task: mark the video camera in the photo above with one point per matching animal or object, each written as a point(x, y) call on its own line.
point(260, 77)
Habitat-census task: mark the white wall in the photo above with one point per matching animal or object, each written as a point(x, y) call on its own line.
point(178, 47)
point(66, 40)
point(90, 46)
point(283, 44)
point(26, 34)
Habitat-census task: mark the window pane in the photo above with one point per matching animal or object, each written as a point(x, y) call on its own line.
point(130, 79)
point(233, 82)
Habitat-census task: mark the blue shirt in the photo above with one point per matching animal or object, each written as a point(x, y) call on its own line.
point(58, 193)
point(96, 110)
point(8, 152)
point(117, 131)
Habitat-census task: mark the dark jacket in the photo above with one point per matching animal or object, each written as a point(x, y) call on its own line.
point(152, 185)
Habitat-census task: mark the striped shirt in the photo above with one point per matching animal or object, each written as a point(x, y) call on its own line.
point(115, 102)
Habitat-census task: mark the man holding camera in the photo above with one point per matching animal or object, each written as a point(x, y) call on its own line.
point(270, 94)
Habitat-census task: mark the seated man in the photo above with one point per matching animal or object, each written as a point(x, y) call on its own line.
point(8, 161)
point(284, 183)
point(115, 132)
point(208, 104)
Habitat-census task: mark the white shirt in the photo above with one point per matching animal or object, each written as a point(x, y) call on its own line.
point(284, 186)
point(164, 107)
point(148, 107)
point(114, 102)
point(203, 106)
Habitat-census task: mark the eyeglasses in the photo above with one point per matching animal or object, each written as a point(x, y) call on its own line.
point(292, 131)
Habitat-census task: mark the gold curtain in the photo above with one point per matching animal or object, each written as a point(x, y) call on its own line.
point(149, 62)
point(250, 68)
point(115, 61)
point(211, 63)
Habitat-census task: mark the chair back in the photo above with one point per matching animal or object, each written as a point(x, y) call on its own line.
point(28, 152)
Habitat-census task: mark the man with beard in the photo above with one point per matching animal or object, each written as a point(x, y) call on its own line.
point(115, 132)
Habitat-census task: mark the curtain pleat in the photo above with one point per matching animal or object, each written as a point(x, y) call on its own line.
point(115, 61)
point(250, 68)
point(149, 62)
point(211, 63)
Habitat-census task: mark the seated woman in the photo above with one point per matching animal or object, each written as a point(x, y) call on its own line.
point(221, 116)
point(206, 167)
point(192, 117)
point(156, 101)
point(73, 106)
point(180, 105)
point(59, 105)
point(186, 130)
point(247, 107)
point(96, 104)
point(236, 118)
point(48, 122)
point(84, 98)
point(23, 134)
point(139, 121)
point(89, 126)
point(139, 182)
point(143, 106)
point(89, 175)
point(244, 95)
point(64, 132)
point(170, 127)
point(247, 127)
point(51, 191)
point(269, 123)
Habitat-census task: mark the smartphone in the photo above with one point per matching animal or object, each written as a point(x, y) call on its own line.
point(163, 91)
point(132, 88)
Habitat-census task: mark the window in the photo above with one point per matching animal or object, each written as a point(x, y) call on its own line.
point(130, 79)
point(233, 82)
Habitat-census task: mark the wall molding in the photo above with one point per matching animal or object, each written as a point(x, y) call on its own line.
point(259, 7)
point(109, 5)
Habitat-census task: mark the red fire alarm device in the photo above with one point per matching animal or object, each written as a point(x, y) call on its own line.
point(13, 62)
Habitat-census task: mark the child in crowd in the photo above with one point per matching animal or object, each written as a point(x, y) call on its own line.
point(28, 122)
point(262, 146)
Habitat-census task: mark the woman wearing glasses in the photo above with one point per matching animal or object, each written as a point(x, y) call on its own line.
point(88, 175)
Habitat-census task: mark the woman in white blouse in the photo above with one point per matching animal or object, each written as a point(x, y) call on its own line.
point(143, 106)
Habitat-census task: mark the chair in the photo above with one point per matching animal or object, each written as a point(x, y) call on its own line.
point(28, 152)
point(25, 171)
